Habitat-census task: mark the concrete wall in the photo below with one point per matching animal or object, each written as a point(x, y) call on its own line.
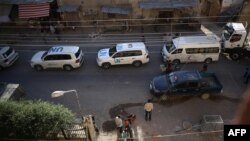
point(245, 13)
point(210, 7)
point(230, 3)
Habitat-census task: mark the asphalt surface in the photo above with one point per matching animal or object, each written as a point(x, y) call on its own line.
point(104, 93)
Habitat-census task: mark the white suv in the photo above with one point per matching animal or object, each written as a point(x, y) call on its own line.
point(65, 57)
point(123, 53)
point(7, 57)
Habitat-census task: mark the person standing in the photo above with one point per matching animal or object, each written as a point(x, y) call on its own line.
point(245, 74)
point(148, 107)
point(119, 124)
point(52, 29)
point(168, 66)
point(204, 67)
point(128, 129)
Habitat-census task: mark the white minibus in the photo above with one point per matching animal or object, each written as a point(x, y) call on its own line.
point(192, 49)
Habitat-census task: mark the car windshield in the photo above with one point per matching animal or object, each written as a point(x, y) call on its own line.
point(44, 54)
point(7, 53)
point(112, 50)
point(227, 32)
point(169, 46)
point(172, 48)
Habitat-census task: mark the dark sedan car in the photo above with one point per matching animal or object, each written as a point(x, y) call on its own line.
point(180, 83)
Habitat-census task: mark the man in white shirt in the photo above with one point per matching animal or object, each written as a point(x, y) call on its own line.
point(119, 124)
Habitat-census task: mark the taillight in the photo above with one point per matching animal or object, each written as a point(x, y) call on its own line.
point(78, 60)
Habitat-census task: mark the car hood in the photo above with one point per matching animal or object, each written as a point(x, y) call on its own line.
point(103, 53)
point(161, 83)
point(38, 56)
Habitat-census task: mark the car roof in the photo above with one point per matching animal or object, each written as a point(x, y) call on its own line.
point(63, 49)
point(237, 26)
point(195, 40)
point(130, 46)
point(186, 75)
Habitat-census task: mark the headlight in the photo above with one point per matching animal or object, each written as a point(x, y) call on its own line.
point(150, 86)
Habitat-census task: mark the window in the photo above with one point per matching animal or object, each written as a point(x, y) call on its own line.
point(181, 86)
point(177, 51)
point(119, 54)
point(189, 50)
point(50, 57)
point(202, 50)
point(78, 53)
point(193, 84)
point(213, 50)
point(235, 38)
point(132, 53)
point(64, 57)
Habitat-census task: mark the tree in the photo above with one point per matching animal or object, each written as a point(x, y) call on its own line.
point(31, 119)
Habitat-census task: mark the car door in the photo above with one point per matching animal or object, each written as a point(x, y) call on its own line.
point(51, 61)
point(180, 89)
point(193, 88)
point(136, 55)
point(177, 54)
point(119, 58)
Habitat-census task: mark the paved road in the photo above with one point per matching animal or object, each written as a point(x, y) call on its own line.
point(103, 92)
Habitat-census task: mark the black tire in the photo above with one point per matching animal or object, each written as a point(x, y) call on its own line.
point(67, 67)
point(176, 61)
point(137, 63)
point(38, 67)
point(106, 65)
point(208, 60)
point(235, 56)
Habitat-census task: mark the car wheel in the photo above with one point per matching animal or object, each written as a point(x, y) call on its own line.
point(67, 67)
point(164, 97)
point(38, 67)
point(176, 61)
point(106, 65)
point(235, 56)
point(137, 63)
point(205, 96)
point(208, 60)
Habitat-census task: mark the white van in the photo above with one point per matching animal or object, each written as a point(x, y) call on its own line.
point(123, 53)
point(192, 49)
point(7, 56)
point(65, 57)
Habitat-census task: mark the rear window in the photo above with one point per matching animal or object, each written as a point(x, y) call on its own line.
point(7, 53)
point(78, 53)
